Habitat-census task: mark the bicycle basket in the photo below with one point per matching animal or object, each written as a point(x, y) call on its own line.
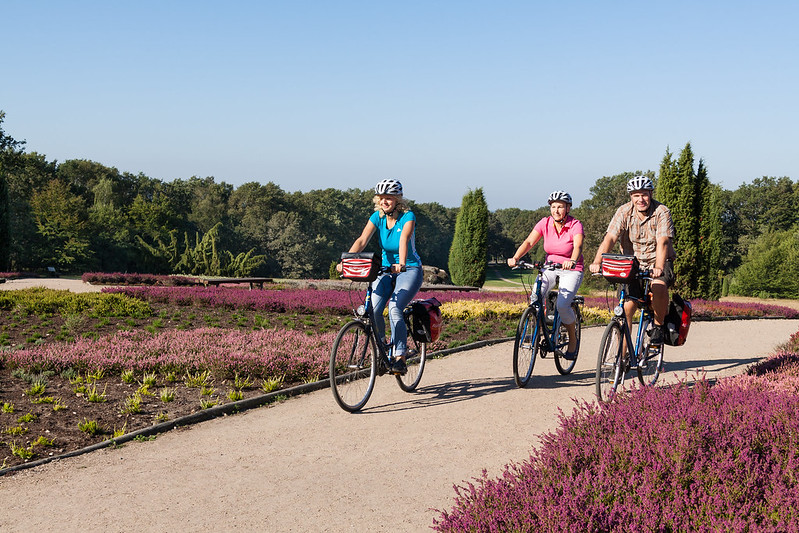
point(361, 266)
point(617, 268)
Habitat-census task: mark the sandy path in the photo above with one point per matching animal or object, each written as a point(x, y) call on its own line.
point(306, 465)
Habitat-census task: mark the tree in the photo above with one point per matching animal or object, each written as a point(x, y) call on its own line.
point(10, 154)
point(61, 220)
point(468, 255)
point(771, 267)
point(709, 278)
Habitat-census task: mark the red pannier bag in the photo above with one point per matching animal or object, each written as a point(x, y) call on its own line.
point(361, 266)
point(426, 320)
point(617, 268)
point(678, 320)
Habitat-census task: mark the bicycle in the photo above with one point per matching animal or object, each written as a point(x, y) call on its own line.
point(358, 357)
point(539, 332)
point(618, 355)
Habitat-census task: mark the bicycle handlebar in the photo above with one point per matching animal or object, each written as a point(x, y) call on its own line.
point(541, 265)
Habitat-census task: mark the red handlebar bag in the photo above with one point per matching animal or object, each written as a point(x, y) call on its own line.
point(617, 268)
point(361, 266)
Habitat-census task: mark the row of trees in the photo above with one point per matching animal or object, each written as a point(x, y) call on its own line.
point(81, 216)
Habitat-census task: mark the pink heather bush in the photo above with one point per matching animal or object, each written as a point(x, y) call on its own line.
point(119, 278)
point(682, 458)
point(262, 353)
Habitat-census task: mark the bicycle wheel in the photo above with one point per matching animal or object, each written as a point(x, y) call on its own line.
point(353, 366)
point(649, 370)
point(415, 363)
point(609, 363)
point(525, 347)
point(564, 365)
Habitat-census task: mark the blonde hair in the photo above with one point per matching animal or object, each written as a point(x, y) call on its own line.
point(402, 205)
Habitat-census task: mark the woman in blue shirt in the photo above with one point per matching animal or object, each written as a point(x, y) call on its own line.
point(395, 225)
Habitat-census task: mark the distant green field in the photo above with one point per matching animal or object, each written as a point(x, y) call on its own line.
point(499, 276)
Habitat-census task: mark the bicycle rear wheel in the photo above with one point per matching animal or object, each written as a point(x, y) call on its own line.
point(609, 362)
point(649, 369)
point(525, 347)
point(415, 363)
point(564, 365)
point(353, 366)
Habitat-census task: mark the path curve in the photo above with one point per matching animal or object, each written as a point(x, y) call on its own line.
point(306, 465)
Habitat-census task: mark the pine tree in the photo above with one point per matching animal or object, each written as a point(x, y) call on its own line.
point(468, 254)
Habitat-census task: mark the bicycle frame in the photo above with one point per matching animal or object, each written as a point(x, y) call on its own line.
point(632, 353)
point(358, 357)
point(535, 336)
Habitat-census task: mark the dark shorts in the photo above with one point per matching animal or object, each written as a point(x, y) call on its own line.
point(636, 290)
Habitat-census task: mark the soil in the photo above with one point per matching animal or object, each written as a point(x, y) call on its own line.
point(306, 465)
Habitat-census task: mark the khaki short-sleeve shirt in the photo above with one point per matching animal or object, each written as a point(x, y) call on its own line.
point(639, 237)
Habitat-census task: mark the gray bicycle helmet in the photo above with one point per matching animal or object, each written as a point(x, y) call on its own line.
point(560, 196)
point(389, 187)
point(640, 183)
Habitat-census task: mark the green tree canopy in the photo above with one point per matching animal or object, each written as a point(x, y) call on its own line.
point(468, 255)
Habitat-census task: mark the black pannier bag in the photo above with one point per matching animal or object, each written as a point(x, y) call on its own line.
point(426, 320)
point(361, 266)
point(678, 321)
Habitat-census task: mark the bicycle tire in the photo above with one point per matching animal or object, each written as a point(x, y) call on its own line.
point(415, 364)
point(609, 361)
point(525, 346)
point(652, 364)
point(565, 366)
point(353, 366)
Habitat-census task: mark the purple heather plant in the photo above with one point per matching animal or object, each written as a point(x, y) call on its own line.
point(260, 353)
point(691, 457)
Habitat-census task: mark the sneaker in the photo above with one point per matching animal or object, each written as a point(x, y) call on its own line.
point(657, 336)
point(399, 367)
point(570, 356)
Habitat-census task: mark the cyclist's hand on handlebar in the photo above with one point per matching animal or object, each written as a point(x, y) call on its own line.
point(568, 265)
point(594, 267)
point(656, 272)
point(512, 262)
point(396, 268)
point(339, 268)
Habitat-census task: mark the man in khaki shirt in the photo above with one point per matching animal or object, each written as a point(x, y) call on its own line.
point(644, 228)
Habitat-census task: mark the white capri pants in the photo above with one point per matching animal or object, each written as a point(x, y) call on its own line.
point(567, 287)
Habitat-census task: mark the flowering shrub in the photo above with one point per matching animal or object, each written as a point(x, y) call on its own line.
point(119, 278)
point(660, 459)
point(260, 353)
point(701, 458)
point(9, 275)
point(707, 308)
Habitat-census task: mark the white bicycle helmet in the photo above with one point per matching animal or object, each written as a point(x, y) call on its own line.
point(389, 187)
point(560, 196)
point(640, 183)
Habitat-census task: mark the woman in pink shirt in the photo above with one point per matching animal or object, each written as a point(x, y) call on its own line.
point(563, 243)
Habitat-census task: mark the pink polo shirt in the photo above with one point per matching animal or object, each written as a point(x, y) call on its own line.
point(559, 246)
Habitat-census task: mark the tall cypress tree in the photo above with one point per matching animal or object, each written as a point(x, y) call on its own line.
point(468, 254)
point(710, 236)
point(695, 207)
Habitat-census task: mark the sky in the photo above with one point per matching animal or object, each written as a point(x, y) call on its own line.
point(517, 97)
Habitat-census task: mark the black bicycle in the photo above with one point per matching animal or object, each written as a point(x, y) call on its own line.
point(358, 357)
point(619, 353)
point(540, 330)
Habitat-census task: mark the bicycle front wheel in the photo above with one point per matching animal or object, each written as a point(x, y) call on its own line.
point(525, 347)
point(565, 366)
point(415, 363)
point(649, 369)
point(609, 362)
point(353, 366)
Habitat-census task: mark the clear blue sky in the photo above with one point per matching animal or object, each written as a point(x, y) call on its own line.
point(517, 97)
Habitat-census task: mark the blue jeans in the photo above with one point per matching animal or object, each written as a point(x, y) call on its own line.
point(406, 285)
